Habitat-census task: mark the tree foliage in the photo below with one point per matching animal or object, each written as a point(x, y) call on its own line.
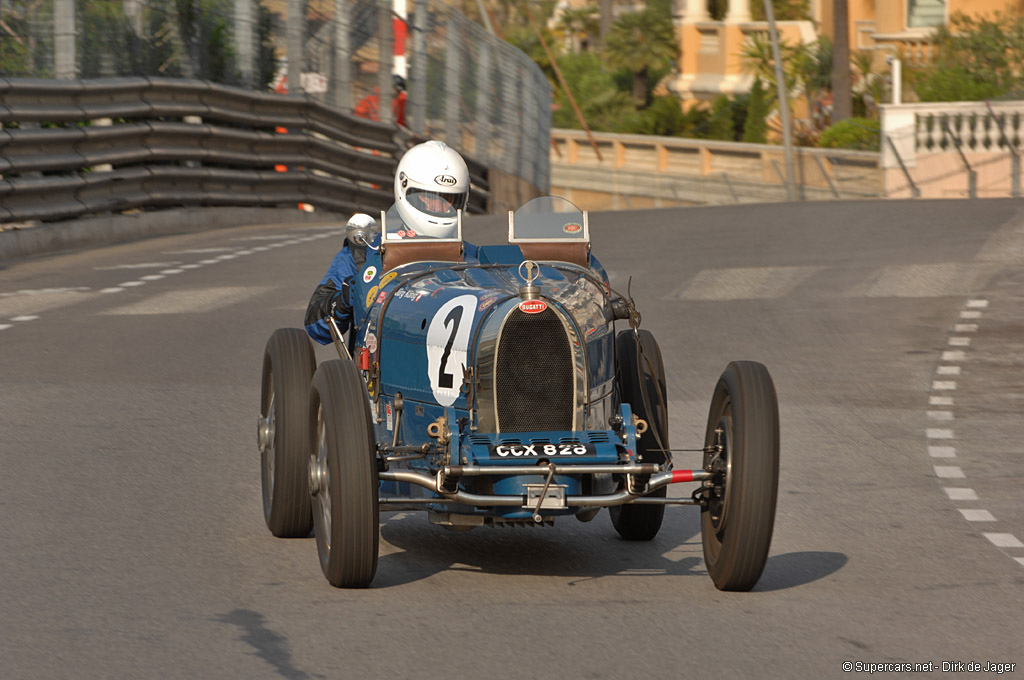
point(641, 42)
point(975, 58)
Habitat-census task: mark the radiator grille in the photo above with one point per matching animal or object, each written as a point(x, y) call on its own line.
point(534, 374)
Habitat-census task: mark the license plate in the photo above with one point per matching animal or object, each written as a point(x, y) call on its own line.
point(556, 451)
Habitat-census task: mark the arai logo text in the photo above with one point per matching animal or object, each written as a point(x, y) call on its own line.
point(446, 180)
point(532, 306)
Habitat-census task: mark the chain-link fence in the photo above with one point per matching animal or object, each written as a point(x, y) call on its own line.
point(459, 83)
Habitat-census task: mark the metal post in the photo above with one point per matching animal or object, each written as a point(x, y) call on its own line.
point(452, 80)
point(914, 190)
point(294, 32)
point(385, 34)
point(484, 96)
point(244, 43)
point(417, 102)
point(341, 66)
point(64, 66)
point(780, 79)
point(972, 174)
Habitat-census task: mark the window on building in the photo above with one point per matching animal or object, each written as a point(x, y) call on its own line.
point(926, 13)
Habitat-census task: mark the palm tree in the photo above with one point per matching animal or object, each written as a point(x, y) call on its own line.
point(641, 42)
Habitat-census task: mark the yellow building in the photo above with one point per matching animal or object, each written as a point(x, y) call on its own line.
point(710, 61)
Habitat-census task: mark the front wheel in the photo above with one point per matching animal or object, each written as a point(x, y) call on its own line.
point(343, 476)
point(743, 428)
point(282, 433)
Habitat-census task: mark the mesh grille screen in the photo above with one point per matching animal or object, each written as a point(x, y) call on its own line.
point(534, 374)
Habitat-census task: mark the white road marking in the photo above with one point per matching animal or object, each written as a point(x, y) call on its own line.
point(940, 401)
point(244, 252)
point(940, 415)
point(965, 328)
point(30, 317)
point(942, 452)
point(115, 289)
point(140, 265)
point(4, 326)
point(191, 266)
point(1020, 559)
point(194, 301)
point(152, 277)
point(943, 384)
point(744, 283)
point(970, 315)
point(32, 302)
point(960, 494)
point(229, 256)
point(977, 304)
point(921, 280)
point(208, 261)
point(959, 342)
point(977, 515)
point(199, 251)
point(949, 472)
point(172, 271)
point(954, 355)
point(935, 433)
point(1004, 540)
point(132, 284)
point(948, 370)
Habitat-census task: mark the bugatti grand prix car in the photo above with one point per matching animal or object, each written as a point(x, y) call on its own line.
point(498, 392)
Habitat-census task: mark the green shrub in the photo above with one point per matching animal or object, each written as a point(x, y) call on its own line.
point(853, 133)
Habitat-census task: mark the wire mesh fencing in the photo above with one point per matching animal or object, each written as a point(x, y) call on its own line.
point(418, 63)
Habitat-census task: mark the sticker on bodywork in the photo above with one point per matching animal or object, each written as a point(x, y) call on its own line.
point(369, 273)
point(447, 345)
point(369, 296)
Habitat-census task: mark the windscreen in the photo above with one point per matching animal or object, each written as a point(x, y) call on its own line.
point(548, 218)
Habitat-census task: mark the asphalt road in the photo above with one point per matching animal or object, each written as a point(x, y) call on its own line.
point(133, 543)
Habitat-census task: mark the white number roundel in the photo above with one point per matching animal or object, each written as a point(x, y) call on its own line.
point(447, 344)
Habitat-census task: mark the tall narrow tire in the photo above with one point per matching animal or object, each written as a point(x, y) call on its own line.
point(283, 432)
point(641, 380)
point(343, 476)
point(736, 527)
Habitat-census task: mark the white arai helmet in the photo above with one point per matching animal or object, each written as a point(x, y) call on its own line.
point(431, 185)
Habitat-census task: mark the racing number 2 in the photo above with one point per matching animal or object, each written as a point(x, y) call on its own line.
point(447, 343)
point(445, 379)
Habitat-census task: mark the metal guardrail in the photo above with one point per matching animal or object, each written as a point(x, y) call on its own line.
point(71, 148)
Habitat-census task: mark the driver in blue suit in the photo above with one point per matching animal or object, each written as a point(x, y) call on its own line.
point(431, 186)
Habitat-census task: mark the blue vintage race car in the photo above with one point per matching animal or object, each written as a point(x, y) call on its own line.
point(497, 392)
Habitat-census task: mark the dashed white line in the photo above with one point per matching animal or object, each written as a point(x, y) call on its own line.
point(956, 341)
point(943, 384)
point(30, 317)
point(1020, 559)
point(961, 494)
point(940, 401)
point(191, 266)
point(977, 515)
point(936, 433)
point(152, 277)
point(172, 271)
point(948, 370)
point(132, 284)
point(965, 328)
point(970, 315)
point(940, 415)
point(1004, 540)
point(208, 261)
point(954, 355)
point(4, 326)
point(942, 452)
point(112, 290)
point(977, 304)
point(949, 472)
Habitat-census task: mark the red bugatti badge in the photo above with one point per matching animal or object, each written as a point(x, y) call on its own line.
point(532, 306)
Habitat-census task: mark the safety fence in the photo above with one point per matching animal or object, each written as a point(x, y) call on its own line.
point(462, 84)
point(71, 148)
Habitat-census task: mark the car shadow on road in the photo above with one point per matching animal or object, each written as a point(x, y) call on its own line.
point(416, 550)
point(413, 550)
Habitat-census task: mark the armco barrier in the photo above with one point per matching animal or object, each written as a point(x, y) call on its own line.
point(74, 148)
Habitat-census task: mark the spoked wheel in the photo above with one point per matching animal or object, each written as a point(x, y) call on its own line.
point(641, 381)
point(743, 427)
point(343, 476)
point(283, 434)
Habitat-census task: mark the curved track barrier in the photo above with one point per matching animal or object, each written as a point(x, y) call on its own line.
point(74, 148)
